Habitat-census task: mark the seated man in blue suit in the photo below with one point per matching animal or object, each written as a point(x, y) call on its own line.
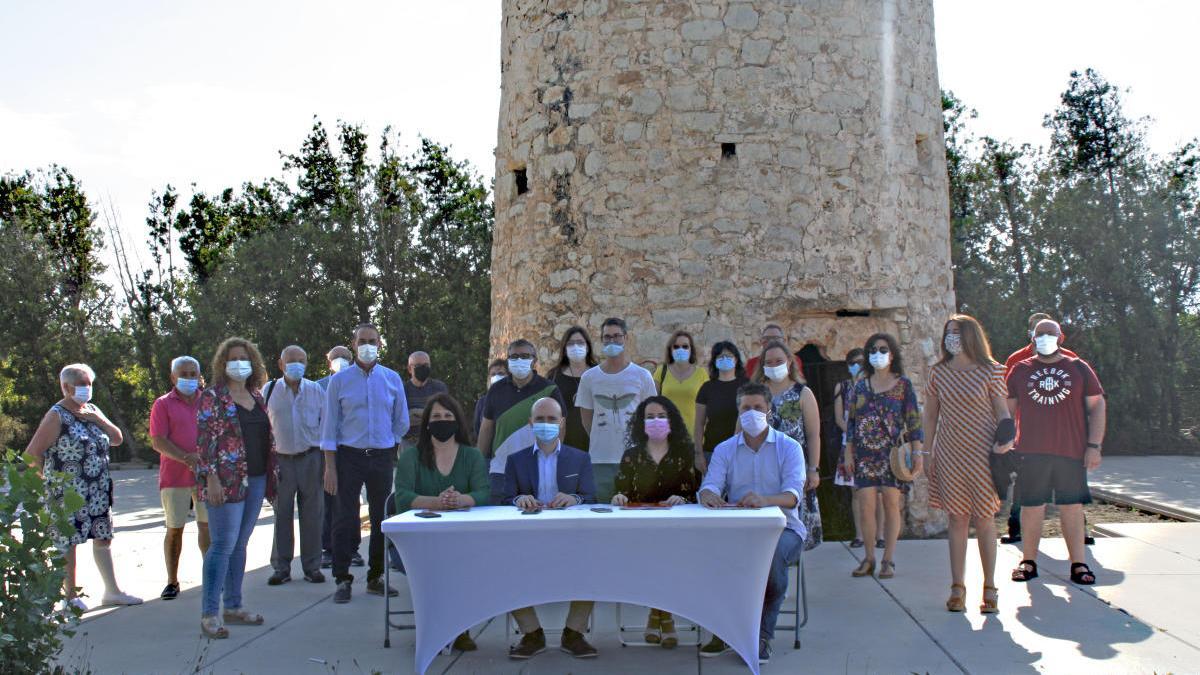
point(549, 475)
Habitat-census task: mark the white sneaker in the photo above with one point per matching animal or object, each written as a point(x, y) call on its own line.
point(120, 599)
point(77, 603)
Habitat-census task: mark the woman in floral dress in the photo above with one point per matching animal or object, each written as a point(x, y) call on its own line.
point(883, 415)
point(657, 468)
point(73, 438)
point(794, 411)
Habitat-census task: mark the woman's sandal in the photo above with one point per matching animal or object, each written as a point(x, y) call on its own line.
point(240, 617)
point(211, 627)
point(865, 568)
point(991, 598)
point(856, 543)
point(1082, 574)
point(1025, 571)
point(887, 569)
point(957, 601)
point(669, 638)
point(653, 634)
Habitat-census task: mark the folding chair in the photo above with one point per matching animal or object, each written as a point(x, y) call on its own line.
point(680, 627)
point(800, 600)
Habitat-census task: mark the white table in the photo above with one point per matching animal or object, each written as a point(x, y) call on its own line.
point(709, 566)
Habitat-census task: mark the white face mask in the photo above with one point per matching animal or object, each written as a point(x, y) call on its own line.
point(368, 353)
point(337, 364)
point(754, 422)
point(954, 343)
point(1046, 344)
point(879, 360)
point(83, 393)
point(576, 352)
point(776, 373)
point(494, 379)
point(238, 370)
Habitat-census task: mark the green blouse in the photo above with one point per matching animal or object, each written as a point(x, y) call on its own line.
point(414, 479)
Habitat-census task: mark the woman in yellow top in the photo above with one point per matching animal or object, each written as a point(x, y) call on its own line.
point(679, 378)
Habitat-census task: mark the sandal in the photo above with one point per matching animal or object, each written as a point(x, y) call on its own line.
point(990, 604)
point(1082, 574)
point(865, 568)
point(1025, 571)
point(957, 602)
point(856, 543)
point(669, 638)
point(887, 569)
point(210, 627)
point(653, 634)
point(240, 617)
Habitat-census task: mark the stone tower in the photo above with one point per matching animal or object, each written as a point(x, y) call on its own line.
point(713, 165)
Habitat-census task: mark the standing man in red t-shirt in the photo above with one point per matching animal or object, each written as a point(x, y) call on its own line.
point(173, 435)
point(1059, 406)
point(1014, 512)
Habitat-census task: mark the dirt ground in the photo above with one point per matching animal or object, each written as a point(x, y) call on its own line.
point(1094, 513)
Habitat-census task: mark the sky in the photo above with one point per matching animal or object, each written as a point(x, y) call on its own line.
point(134, 95)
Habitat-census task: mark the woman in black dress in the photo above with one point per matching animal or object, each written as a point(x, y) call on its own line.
point(657, 468)
point(574, 357)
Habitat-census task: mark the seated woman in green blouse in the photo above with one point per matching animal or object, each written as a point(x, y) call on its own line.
point(442, 472)
point(658, 468)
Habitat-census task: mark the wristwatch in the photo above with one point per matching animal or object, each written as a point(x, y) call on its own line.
point(1093, 446)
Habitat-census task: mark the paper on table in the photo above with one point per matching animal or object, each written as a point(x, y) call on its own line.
point(644, 506)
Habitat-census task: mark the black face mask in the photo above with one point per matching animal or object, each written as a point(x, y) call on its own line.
point(421, 372)
point(443, 430)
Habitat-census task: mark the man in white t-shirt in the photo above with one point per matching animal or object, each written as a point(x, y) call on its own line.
point(608, 396)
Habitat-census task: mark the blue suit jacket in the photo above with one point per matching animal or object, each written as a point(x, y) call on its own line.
point(574, 474)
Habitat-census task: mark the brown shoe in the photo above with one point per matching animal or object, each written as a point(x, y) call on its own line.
point(464, 643)
point(531, 645)
point(574, 644)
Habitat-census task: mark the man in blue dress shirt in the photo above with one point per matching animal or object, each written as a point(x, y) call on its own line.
point(760, 467)
point(366, 415)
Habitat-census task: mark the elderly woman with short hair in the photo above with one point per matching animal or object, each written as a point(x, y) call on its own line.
point(73, 438)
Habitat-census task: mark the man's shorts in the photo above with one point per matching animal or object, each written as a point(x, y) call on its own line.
point(1045, 479)
point(175, 502)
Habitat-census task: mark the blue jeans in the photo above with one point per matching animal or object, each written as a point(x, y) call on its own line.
point(787, 551)
point(230, 525)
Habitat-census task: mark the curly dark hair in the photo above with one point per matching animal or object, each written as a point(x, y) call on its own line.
point(425, 438)
point(896, 365)
point(679, 439)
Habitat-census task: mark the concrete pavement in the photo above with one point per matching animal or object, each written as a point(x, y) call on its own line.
point(1138, 618)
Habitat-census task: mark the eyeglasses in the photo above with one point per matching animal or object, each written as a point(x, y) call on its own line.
point(613, 339)
point(878, 350)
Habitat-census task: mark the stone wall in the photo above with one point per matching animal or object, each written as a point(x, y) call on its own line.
point(713, 165)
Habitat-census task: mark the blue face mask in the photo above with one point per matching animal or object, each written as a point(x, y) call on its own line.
point(726, 362)
point(545, 431)
point(681, 355)
point(186, 386)
point(855, 369)
point(520, 368)
point(612, 350)
point(293, 371)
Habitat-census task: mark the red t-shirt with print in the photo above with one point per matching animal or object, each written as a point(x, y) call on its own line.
point(1026, 352)
point(1051, 419)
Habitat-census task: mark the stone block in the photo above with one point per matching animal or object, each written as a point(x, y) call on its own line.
point(702, 30)
point(756, 52)
point(741, 17)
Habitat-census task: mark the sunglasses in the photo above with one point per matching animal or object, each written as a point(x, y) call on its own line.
point(878, 350)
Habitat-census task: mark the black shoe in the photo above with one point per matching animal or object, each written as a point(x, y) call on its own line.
point(326, 559)
point(464, 643)
point(1011, 539)
point(1089, 541)
point(342, 595)
point(764, 652)
point(170, 592)
point(715, 647)
point(879, 543)
point(856, 543)
point(574, 644)
point(531, 645)
point(314, 577)
point(279, 578)
point(356, 560)
point(375, 587)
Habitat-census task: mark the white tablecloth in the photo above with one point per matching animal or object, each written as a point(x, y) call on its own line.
point(709, 566)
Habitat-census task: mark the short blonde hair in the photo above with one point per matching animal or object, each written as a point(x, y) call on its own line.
point(258, 373)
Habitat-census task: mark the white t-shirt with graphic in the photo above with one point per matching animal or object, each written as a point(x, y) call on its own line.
point(612, 399)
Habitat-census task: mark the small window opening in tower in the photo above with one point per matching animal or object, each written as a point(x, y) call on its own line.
point(728, 150)
point(522, 180)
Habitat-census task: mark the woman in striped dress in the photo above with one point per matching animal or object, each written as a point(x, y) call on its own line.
point(964, 402)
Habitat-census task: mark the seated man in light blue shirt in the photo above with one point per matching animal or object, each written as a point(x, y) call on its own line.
point(366, 415)
point(760, 467)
